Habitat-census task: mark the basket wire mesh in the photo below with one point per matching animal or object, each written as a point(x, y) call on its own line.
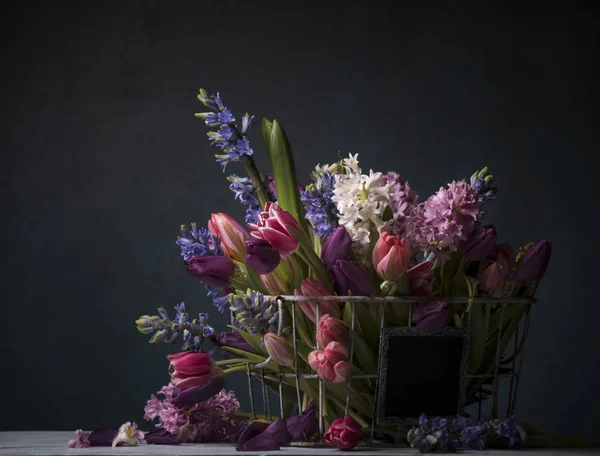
point(509, 367)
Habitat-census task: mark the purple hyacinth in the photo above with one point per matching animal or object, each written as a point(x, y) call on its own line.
point(321, 211)
point(228, 137)
point(196, 241)
point(246, 194)
point(445, 219)
point(207, 421)
point(254, 311)
point(404, 200)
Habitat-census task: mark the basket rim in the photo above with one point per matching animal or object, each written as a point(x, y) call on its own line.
point(406, 299)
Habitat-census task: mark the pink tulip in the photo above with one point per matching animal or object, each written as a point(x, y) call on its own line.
point(332, 363)
point(343, 433)
point(276, 226)
point(233, 236)
point(331, 329)
point(391, 256)
point(279, 349)
point(310, 287)
point(420, 278)
point(190, 369)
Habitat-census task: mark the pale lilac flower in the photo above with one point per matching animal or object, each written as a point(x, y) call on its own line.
point(403, 200)
point(81, 440)
point(445, 219)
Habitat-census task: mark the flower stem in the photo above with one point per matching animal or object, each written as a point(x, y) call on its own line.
point(259, 185)
point(234, 369)
point(231, 361)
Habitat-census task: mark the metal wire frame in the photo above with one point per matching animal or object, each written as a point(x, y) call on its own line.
point(513, 372)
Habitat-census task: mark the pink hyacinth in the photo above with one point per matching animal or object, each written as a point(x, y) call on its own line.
point(207, 421)
point(445, 219)
point(404, 200)
point(277, 227)
point(332, 363)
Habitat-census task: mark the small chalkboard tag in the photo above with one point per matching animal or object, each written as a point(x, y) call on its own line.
point(422, 373)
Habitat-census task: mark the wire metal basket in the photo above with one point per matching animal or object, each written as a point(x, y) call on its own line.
point(505, 366)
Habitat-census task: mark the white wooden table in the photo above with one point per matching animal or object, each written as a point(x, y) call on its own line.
point(54, 443)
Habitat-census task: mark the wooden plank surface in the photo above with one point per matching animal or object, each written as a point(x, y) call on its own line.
point(54, 443)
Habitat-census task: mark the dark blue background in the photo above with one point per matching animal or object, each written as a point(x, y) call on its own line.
point(102, 160)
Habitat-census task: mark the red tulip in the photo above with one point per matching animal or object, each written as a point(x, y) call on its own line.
point(391, 256)
point(344, 433)
point(310, 287)
point(276, 226)
point(496, 270)
point(233, 236)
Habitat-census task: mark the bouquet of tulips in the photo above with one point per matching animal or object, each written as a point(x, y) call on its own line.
point(341, 231)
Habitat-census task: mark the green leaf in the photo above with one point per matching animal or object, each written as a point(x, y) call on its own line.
point(253, 341)
point(365, 357)
point(284, 171)
point(472, 287)
point(388, 214)
point(478, 337)
point(250, 357)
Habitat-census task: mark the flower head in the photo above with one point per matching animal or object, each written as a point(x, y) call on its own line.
point(445, 219)
point(232, 235)
point(331, 364)
point(254, 311)
point(196, 241)
point(245, 192)
point(321, 210)
point(391, 256)
point(343, 433)
point(403, 201)
point(277, 227)
point(81, 440)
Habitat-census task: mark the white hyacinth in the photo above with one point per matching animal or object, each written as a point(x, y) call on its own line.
point(361, 201)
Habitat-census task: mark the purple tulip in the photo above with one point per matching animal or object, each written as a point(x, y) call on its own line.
point(103, 436)
point(164, 437)
point(232, 339)
point(214, 271)
point(261, 257)
point(430, 316)
point(532, 266)
point(479, 244)
point(190, 396)
point(350, 277)
point(336, 247)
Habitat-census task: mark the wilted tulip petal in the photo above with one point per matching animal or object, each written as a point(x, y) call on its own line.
point(262, 442)
point(336, 247)
point(164, 437)
point(430, 316)
point(251, 430)
point(103, 436)
point(191, 396)
point(350, 277)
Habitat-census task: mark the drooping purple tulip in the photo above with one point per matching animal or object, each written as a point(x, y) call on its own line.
point(214, 271)
point(164, 437)
point(350, 277)
point(195, 394)
point(532, 266)
point(336, 247)
point(479, 244)
point(430, 316)
point(261, 257)
point(304, 424)
point(232, 339)
point(103, 436)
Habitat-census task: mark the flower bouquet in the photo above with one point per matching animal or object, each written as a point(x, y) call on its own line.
point(342, 232)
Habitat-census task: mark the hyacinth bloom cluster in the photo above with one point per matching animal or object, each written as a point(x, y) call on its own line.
point(229, 138)
point(339, 231)
point(445, 219)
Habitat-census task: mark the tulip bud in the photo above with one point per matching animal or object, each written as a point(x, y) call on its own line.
point(214, 271)
point(533, 264)
point(233, 236)
point(349, 277)
point(277, 227)
point(479, 244)
point(190, 369)
point(430, 316)
point(343, 433)
point(275, 282)
point(311, 287)
point(336, 247)
point(332, 329)
point(279, 349)
point(261, 257)
point(391, 256)
point(420, 279)
point(491, 277)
